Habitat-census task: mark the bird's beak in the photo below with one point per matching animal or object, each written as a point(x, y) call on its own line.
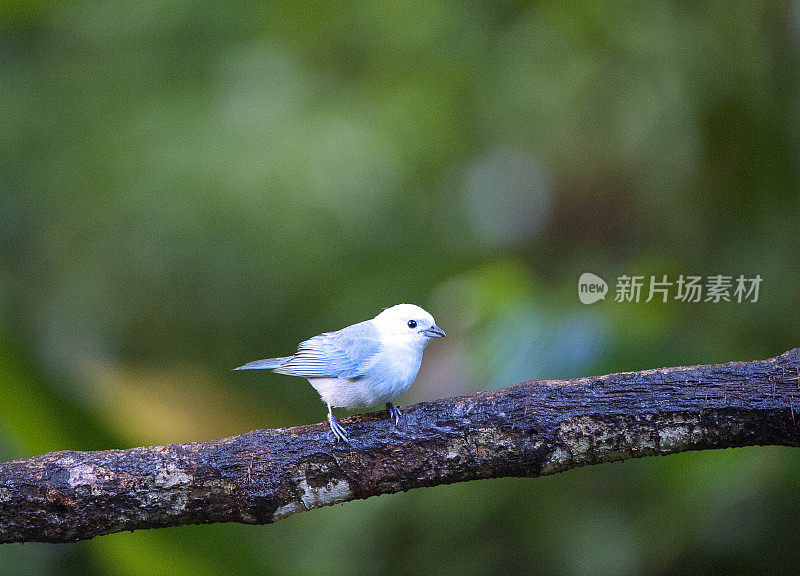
point(434, 332)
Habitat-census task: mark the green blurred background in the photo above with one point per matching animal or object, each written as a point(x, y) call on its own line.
point(186, 186)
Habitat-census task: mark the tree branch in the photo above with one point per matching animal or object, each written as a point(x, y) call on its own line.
point(531, 429)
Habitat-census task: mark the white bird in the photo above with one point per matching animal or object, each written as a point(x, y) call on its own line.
point(365, 364)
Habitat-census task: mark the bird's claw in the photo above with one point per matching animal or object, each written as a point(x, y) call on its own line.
point(338, 431)
point(394, 413)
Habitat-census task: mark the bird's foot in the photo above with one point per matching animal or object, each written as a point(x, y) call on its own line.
point(394, 413)
point(336, 428)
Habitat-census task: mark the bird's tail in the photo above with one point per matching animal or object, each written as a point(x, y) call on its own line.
point(267, 363)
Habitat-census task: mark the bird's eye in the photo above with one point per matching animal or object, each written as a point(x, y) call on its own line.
point(412, 323)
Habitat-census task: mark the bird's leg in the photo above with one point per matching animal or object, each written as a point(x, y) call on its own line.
point(394, 413)
point(336, 428)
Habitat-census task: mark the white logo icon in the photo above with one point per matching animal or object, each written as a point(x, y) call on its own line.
point(591, 288)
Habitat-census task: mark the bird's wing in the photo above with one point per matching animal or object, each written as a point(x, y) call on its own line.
point(346, 353)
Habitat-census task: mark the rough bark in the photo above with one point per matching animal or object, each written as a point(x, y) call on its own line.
point(531, 429)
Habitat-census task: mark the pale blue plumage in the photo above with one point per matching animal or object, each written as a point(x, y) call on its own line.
point(347, 353)
point(364, 364)
point(267, 363)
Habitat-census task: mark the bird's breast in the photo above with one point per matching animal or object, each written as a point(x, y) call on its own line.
point(391, 372)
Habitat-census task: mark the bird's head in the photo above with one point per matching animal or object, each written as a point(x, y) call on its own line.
point(407, 324)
